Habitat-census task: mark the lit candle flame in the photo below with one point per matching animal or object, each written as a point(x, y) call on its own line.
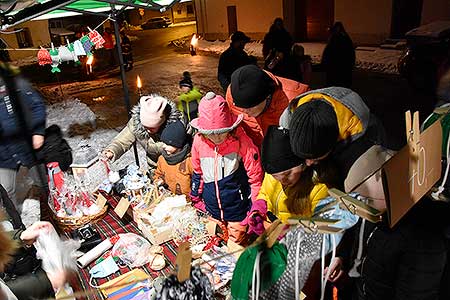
point(138, 82)
point(90, 60)
point(194, 41)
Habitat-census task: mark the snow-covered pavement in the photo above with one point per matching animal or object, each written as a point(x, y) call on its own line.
point(367, 58)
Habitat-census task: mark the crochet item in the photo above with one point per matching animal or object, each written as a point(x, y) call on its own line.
point(71, 49)
point(44, 57)
point(56, 60)
point(65, 54)
point(96, 38)
point(307, 246)
point(198, 287)
point(78, 48)
point(87, 44)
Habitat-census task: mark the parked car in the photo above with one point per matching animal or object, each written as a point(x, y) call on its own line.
point(427, 55)
point(157, 22)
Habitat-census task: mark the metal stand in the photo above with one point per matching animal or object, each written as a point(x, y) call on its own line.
point(126, 93)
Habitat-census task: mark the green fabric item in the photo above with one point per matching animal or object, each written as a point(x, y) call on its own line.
point(192, 95)
point(445, 123)
point(272, 265)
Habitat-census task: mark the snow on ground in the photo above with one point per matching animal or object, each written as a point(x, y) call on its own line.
point(375, 59)
point(72, 112)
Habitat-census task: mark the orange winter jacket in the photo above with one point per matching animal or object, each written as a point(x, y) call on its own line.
point(177, 177)
point(285, 91)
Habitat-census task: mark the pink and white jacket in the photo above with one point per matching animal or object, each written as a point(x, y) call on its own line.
point(227, 176)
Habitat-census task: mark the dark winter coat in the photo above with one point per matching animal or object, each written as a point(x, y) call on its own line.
point(277, 39)
point(407, 262)
point(338, 60)
point(15, 150)
point(230, 60)
point(55, 148)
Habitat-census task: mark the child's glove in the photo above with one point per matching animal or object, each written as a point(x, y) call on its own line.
point(256, 217)
point(197, 202)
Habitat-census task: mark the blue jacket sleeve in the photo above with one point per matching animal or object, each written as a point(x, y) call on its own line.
point(33, 104)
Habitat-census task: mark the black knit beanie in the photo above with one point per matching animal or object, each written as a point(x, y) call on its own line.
point(174, 134)
point(250, 86)
point(276, 153)
point(187, 80)
point(313, 129)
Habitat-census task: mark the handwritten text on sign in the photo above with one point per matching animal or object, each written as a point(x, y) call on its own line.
point(410, 176)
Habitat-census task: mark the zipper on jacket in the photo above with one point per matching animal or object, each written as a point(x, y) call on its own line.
point(216, 183)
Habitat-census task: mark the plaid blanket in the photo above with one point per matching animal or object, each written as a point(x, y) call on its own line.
point(109, 226)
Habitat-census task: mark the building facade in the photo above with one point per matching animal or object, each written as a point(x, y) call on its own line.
point(180, 12)
point(30, 34)
point(367, 21)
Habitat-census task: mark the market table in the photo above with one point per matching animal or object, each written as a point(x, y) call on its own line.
point(109, 226)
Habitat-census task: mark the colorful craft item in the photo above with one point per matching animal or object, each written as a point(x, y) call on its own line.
point(78, 48)
point(65, 54)
point(87, 44)
point(96, 38)
point(56, 60)
point(44, 57)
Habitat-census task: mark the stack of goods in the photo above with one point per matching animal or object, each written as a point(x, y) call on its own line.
point(157, 223)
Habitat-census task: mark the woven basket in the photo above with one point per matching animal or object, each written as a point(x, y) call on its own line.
point(71, 223)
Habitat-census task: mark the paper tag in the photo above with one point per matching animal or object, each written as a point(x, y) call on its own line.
point(122, 207)
point(101, 201)
point(302, 296)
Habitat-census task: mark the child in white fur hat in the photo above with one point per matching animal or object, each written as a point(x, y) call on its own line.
point(148, 119)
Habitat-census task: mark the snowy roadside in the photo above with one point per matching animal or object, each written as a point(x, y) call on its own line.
point(367, 58)
point(74, 112)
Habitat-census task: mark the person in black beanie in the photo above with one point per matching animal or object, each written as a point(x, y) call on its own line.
point(174, 167)
point(328, 123)
point(286, 190)
point(261, 97)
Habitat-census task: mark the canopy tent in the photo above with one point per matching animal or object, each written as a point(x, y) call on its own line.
point(13, 13)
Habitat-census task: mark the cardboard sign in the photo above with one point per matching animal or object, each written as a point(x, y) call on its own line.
point(412, 172)
point(122, 207)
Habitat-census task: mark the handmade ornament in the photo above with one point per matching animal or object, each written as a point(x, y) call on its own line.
point(44, 57)
point(87, 44)
point(96, 38)
point(56, 60)
point(197, 287)
point(78, 48)
point(71, 49)
point(65, 54)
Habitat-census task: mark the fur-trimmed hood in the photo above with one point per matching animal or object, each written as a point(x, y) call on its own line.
point(172, 115)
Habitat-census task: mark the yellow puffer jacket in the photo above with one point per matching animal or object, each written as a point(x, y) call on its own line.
point(272, 192)
point(352, 113)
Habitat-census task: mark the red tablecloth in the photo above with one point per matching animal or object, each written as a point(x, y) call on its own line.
point(109, 226)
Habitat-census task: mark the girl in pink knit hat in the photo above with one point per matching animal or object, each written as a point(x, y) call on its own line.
point(227, 166)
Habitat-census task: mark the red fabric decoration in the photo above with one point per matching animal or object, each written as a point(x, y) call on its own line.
point(44, 57)
point(96, 38)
